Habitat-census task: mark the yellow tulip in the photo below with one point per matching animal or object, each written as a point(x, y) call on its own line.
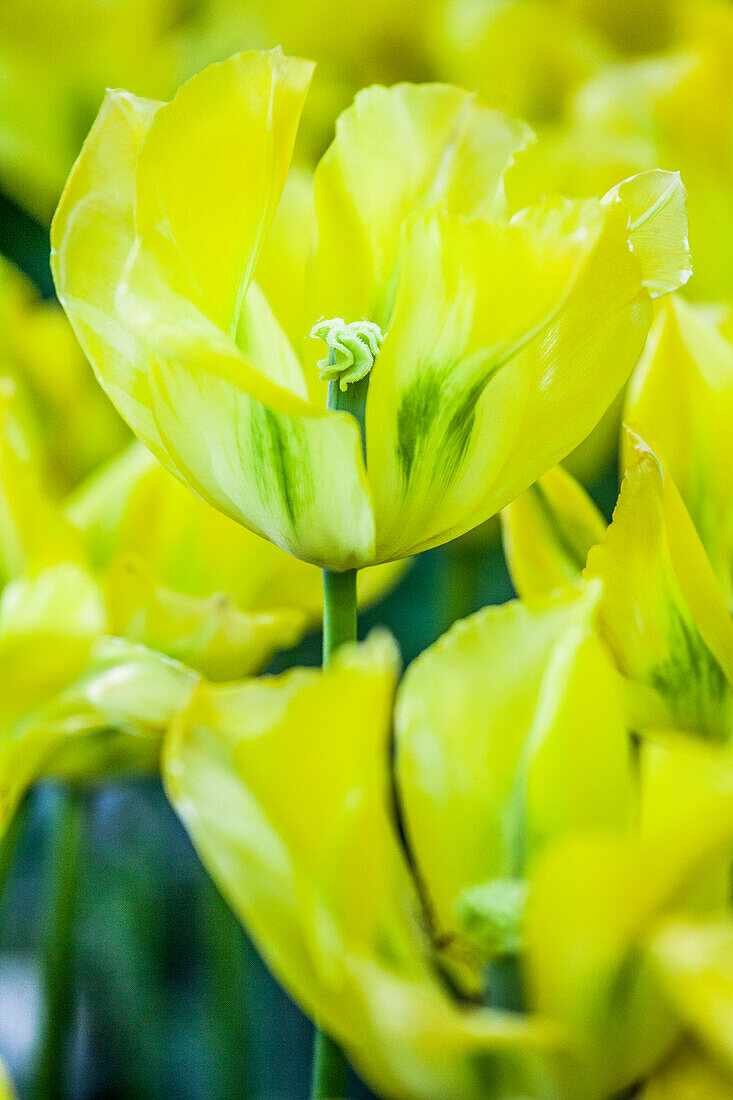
point(56, 59)
point(74, 701)
point(7, 1092)
point(516, 789)
point(495, 757)
point(327, 893)
point(494, 329)
point(670, 110)
point(193, 584)
point(135, 558)
point(688, 1075)
point(696, 963)
point(67, 421)
point(547, 533)
point(681, 400)
point(662, 613)
point(598, 902)
point(33, 533)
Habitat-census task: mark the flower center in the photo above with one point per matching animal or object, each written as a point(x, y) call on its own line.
point(352, 349)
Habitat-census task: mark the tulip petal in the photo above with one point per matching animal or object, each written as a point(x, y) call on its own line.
point(212, 168)
point(490, 370)
point(594, 902)
point(662, 614)
point(547, 533)
point(79, 707)
point(688, 1075)
point(194, 549)
point(397, 150)
point(91, 237)
point(696, 963)
point(239, 433)
point(657, 208)
point(33, 531)
point(681, 399)
point(492, 724)
point(327, 894)
point(207, 633)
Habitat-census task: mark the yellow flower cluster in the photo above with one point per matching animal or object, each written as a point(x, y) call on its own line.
point(505, 873)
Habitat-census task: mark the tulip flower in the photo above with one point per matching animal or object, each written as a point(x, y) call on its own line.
point(687, 1076)
point(514, 779)
point(662, 612)
point(695, 959)
point(191, 583)
point(134, 558)
point(494, 330)
point(681, 398)
point(655, 111)
point(600, 904)
point(66, 420)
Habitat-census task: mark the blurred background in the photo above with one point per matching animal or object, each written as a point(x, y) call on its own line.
point(610, 88)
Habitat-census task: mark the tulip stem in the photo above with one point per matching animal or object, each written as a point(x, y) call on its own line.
point(328, 1079)
point(329, 1069)
point(57, 987)
point(339, 611)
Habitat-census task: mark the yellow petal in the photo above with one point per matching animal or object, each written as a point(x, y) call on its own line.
point(69, 420)
point(594, 902)
point(7, 1092)
point(468, 437)
point(681, 399)
point(327, 894)
point(662, 613)
point(33, 531)
point(688, 1075)
point(80, 707)
point(397, 150)
point(207, 633)
point(241, 433)
point(509, 732)
point(696, 963)
point(194, 549)
point(283, 261)
point(91, 236)
point(657, 208)
point(212, 168)
point(523, 57)
point(548, 532)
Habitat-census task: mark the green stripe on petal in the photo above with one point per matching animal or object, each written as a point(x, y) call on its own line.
point(557, 384)
point(490, 371)
point(662, 613)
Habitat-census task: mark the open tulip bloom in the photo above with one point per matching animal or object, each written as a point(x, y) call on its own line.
point(474, 350)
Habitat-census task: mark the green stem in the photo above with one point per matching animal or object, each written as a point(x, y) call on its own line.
point(329, 1069)
point(9, 846)
point(57, 986)
point(226, 1004)
point(504, 989)
point(339, 611)
point(328, 1080)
